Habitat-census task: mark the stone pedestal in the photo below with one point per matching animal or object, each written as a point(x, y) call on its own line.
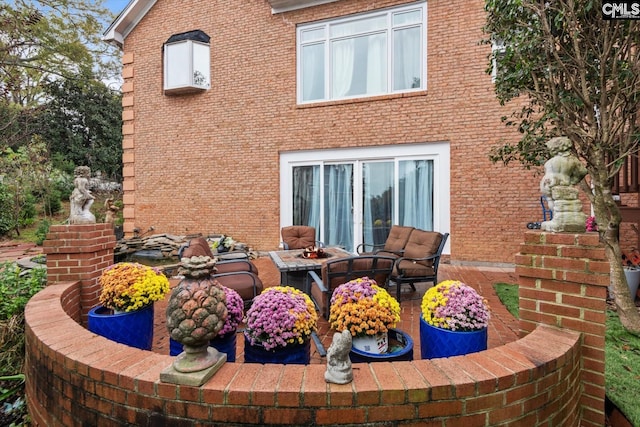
point(79, 253)
point(567, 211)
point(194, 378)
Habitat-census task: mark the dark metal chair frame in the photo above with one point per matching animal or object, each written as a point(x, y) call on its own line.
point(400, 279)
point(375, 269)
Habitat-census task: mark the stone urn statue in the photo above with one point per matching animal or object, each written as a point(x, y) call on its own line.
point(196, 312)
point(561, 173)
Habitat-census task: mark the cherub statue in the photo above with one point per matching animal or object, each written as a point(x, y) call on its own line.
point(81, 198)
point(339, 369)
point(111, 211)
point(561, 173)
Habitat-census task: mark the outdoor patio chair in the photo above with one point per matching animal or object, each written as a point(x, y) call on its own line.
point(334, 273)
point(228, 266)
point(420, 260)
point(299, 237)
point(393, 246)
point(245, 283)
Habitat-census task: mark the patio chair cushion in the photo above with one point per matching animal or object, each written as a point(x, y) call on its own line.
point(398, 238)
point(236, 265)
point(422, 244)
point(413, 269)
point(246, 284)
point(298, 236)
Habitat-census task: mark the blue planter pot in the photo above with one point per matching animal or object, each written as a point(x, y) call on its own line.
point(400, 349)
point(298, 354)
point(436, 342)
point(133, 328)
point(224, 344)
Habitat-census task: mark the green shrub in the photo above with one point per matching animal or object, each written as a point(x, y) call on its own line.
point(41, 232)
point(51, 202)
point(7, 222)
point(63, 182)
point(17, 286)
point(28, 211)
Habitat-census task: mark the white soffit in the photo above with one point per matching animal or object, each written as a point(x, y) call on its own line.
point(127, 21)
point(279, 6)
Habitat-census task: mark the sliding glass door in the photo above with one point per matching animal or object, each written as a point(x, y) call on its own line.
point(356, 201)
point(338, 205)
point(377, 200)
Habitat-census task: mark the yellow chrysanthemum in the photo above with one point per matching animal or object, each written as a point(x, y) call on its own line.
point(130, 286)
point(363, 308)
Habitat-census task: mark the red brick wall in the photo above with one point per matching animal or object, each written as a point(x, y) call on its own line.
point(563, 281)
point(208, 163)
point(75, 378)
point(553, 375)
point(79, 253)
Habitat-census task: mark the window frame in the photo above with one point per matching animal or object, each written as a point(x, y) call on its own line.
point(389, 30)
point(438, 152)
point(187, 41)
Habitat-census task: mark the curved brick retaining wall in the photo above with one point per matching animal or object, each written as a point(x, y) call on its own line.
point(78, 378)
point(551, 376)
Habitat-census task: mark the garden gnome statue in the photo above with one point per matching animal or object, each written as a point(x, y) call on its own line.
point(339, 369)
point(196, 312)
point(561, 173)
point(81, 198)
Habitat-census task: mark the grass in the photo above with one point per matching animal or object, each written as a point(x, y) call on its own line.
point(622, 357)
point(508, 294)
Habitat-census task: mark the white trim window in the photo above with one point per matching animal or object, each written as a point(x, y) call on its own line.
point(354, 195)
point(498, 50)
point(187, 63)
point(368, 54)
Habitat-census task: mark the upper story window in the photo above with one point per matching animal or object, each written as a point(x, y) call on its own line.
point(497, 51)
point(187, 63)
point(368, 54)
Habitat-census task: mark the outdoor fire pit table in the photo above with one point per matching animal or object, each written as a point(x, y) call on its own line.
point(293, 266)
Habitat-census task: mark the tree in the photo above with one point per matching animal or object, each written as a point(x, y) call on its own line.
point(44, 40)
point(23, 173)
point(83, 121)
point(569, 72)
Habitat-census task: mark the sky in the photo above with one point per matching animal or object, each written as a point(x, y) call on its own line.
point(116, 6)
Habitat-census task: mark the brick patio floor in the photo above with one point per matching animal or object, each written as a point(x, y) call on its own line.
point(503, 327)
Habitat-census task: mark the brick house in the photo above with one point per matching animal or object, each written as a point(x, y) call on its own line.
point(348, 115)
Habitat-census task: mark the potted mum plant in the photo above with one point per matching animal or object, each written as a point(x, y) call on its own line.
point(454, 320)
point(225, 341)
point(279, 325)
point(128, 291)
point(370, 313)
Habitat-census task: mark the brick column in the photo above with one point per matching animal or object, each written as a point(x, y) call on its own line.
point(563, 280)
point(79, 253)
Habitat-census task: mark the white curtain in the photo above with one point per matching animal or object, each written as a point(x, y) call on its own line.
point(416, 194)
point(406, 62)
point(338, 195)
point(367, 220)
point(306, 197)
point(342, 64)
point(376, 64)
point(313, 72)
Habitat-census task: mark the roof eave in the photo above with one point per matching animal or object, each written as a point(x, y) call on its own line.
point(280, 6)
point(126, 21)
